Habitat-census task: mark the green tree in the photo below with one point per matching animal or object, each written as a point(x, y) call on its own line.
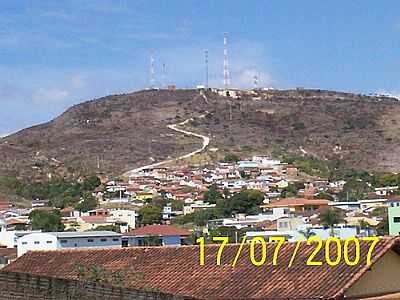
point(231, 158)
point(292, 189)
point(329, 218)
point(177, 204)
point(46, 221)
point(91, 182)
point(225, 231)
point(383, 227)
point(382, 213)
point(199, 218)
point(150, 214)
point(354, 190)
point(246, 201)
point(89, 202)
point(307, 233)
point(212, 194)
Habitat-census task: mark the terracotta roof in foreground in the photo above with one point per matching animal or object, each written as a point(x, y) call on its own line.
point(176, 270)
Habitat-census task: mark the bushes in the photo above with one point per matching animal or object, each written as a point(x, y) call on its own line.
point(231, 158)
point(59, 191)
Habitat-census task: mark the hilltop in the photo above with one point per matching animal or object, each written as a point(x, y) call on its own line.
point(117, 133)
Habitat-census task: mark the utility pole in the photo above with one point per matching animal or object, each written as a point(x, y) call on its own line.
point(255, 81)
point(149, 145)
point(152, 77)
point(164, 75)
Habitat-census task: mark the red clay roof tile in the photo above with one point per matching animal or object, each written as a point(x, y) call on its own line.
point(176, 270)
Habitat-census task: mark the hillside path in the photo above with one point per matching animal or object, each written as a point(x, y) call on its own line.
point(206, 142)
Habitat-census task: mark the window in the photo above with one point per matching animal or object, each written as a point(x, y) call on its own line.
point(36, 242)
point(396, 219)
point(115, 240)
point(49, 242)
point(90, 240)
point(103, 240)
point(24, 243)
point(63, 241)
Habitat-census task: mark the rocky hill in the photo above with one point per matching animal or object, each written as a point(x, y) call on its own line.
point(117, 133)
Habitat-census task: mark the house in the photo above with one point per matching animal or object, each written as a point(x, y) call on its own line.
point(36, 203)
point(393, 201)
point(346, 205)
point(7, 255)
point(373, 203)
point(182, 277)
point(385, 191)
point(144, 196)
point(296, 205)
point(124, 215)
point(242, 221)
point(196, 206)
point(152, 235)
point(4, 204)
point(69, 240)
point(394, 220)
point(8, 238)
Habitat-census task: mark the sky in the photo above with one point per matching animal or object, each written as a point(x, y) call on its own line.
point(54, 54)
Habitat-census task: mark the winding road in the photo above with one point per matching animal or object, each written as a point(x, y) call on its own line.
point(206, 142)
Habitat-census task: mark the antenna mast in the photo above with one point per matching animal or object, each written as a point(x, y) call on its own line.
point(206, 63)
point(226, 65)
point(152, 77)
point(255, 81)
point(164, 75)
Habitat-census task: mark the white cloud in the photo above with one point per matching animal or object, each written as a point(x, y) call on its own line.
point(51, 95)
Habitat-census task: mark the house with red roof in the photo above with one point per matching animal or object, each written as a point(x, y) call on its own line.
point(156, 235)
point(4, 204)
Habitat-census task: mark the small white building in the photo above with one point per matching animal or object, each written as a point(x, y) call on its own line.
point(124, 215)
point(346, 205)
point(68, 240)
point(9, 238)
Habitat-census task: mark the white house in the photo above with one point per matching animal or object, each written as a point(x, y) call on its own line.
point(9, 238)
point(384, 191)
point(69, 240)
point(339, 231)
point(124, 215)
point(346, 205)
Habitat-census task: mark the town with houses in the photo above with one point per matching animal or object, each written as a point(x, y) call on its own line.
point(184, 191)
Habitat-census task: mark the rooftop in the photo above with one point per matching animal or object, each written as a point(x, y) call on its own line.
point(176, 270)
point(158, 230)
point(296, 202)
point(72, 234)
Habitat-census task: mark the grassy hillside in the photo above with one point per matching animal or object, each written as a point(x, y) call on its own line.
point(117, 133)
